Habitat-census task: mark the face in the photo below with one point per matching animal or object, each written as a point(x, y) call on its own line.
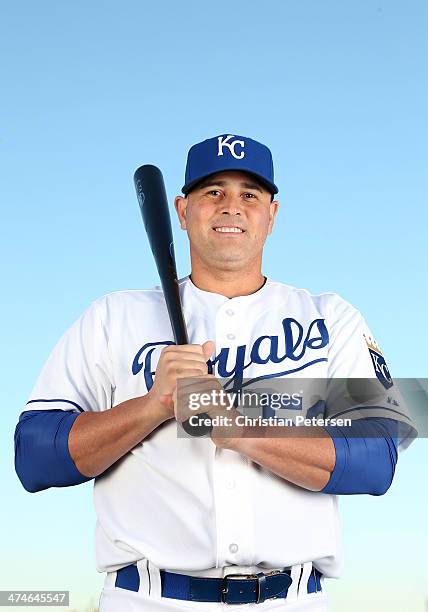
point(228, 217)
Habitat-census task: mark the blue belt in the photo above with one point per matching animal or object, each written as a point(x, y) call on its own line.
point(232, 589)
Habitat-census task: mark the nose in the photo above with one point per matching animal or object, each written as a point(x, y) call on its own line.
point(231, 205)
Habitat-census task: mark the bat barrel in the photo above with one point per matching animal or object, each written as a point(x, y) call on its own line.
point(152, 199)
point(153, 203)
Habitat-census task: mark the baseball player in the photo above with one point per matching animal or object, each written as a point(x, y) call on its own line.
point(248, 518)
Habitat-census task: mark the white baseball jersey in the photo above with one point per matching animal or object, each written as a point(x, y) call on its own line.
point(184, 504)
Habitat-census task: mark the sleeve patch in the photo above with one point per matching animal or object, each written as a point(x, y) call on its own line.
point(379, 363)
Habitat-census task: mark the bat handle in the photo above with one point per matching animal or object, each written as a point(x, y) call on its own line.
point(202, 429)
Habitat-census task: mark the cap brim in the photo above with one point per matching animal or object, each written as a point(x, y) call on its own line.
point(271, 187)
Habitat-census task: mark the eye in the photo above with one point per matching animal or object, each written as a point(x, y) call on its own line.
point(214, 192)
point(250, 196)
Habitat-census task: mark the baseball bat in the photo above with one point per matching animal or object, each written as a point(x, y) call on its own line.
point(153, 203)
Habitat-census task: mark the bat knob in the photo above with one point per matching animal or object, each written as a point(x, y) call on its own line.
point(198, 430)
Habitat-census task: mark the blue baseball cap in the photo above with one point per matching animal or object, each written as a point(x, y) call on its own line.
point(229, 152)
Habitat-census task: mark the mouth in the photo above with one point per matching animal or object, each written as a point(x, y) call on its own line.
point(228, 229)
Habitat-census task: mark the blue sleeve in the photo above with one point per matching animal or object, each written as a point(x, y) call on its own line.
point(366, 456)
point(42, 457)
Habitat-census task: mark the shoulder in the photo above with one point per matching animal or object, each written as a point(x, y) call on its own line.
point(329, 304)
point(115, 303)
point(129, 296)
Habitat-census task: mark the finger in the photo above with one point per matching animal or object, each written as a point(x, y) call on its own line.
point(176, 367)
point(204, 351)
point(180, 356)
point(181, 376)
point(201, 383)
point(190, 372)
point(208, 348)
point(183, 348)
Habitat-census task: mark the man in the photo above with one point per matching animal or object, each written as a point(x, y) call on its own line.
point(179, 520)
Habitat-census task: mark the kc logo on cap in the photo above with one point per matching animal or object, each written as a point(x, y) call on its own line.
point(224, 141)
point(229, 152)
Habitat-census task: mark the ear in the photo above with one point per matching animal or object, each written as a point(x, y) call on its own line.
point(180, 204)
point(272, 214)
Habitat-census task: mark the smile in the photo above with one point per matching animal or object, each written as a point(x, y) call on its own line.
point(229, 230)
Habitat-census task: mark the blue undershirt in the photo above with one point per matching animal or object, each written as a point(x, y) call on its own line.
point(42, 457)
point(366, 453)
point(366, 456)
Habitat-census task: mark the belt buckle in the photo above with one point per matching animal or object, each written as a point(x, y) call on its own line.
point(224, 589)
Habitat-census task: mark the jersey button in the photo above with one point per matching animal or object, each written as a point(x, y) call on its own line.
point(230, 312)
point(230, 484)
point(231, 336)
point(234, 548)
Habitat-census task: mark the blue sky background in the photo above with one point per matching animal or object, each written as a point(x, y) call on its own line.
point(91, 90)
